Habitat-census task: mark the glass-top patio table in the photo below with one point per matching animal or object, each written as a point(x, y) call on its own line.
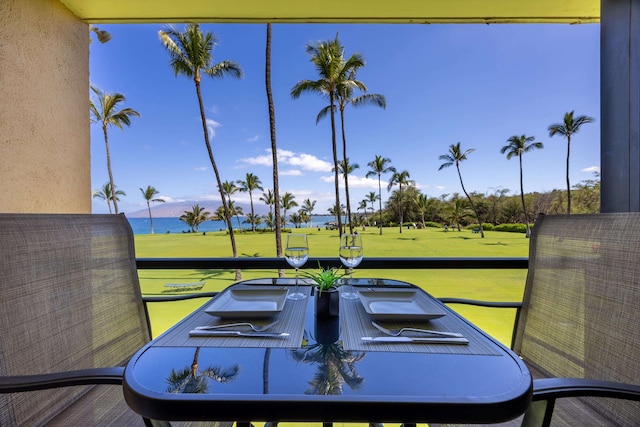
point(323, 370)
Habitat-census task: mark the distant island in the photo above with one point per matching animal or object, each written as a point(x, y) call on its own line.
point(175, 210)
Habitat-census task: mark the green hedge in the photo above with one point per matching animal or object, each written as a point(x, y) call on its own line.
point(511, 228)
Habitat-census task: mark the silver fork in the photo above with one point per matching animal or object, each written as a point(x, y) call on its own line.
point(238, 324)
point(397, 332)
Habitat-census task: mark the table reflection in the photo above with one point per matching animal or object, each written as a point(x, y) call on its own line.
point(335, 366)
point(191, 379)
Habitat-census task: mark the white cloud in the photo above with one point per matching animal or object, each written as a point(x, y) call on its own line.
point(290, 172)
point(211, 127)
point(168, 199)
point(264, 160)
point(253, 138)
point(592, 169)
point(303, 161)
point(355, 181)
point(201, 168)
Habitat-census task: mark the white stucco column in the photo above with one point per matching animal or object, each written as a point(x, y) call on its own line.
point(44, 109)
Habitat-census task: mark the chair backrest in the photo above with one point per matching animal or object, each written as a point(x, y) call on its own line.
point(69, 299)
point(580, 315)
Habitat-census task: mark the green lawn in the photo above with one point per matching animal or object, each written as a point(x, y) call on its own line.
point(496, 285)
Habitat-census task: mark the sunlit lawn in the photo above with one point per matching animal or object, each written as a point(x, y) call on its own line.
point(495, 285)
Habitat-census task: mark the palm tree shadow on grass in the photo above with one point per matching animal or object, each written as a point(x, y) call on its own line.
point(254, 255)
point(193, 380)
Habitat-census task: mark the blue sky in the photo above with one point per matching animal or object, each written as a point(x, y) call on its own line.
point(474, 84)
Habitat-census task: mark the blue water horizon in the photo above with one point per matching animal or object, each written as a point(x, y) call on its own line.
point(174, 225)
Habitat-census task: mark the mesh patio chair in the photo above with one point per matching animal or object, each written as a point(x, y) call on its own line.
point(578, 325)
point(71, 315)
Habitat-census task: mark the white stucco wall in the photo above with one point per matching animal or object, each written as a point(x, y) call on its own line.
point(44, 115)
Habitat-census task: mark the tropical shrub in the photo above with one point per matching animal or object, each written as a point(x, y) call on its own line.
point(511, 228)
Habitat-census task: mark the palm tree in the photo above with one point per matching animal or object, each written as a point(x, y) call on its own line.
point(149, 195)
point(333, 69)
point(287, 203)
point(253, 220)
point(105, 194)
point(422, 202)
point(229, 188)
point(371, 198)
point(345, 169)
point(345, 97)
point(106, 112)
point(274, 151)
point(196, 216)
point(568, 127)
point(296, 219)
point(191, 55)
point(518, 145)
point(363, 206)
point(378, 166)
point(268, 199)
point(236, 211)
point(400, 178)
point(250, 183)
point(270, 220)
point(457, 211)
point(193, 380)
point(336, 211)
point(307, 207)
point(454, 157)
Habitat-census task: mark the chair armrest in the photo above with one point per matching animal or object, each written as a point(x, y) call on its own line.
point(165, 298)
point(14, 384)
point(554, 388)
point(500, 304)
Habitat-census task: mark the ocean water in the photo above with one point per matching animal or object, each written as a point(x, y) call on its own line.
point(174, 225)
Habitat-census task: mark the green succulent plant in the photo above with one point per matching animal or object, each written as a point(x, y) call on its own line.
point(325, 279)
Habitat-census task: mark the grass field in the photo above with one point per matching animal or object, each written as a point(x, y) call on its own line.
point(493, 285)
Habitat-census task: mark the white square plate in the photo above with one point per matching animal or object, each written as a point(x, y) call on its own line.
point(248, 303)
point(399, 305)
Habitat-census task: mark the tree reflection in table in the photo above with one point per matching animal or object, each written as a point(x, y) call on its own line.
point(193, 380)
point(336, 367)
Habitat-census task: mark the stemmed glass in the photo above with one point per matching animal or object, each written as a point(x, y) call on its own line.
point(296, 252)
point(351, 254)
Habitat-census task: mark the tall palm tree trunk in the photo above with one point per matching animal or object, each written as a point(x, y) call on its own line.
point(215, 170)
point(524, 207)
point(380, 202)
point(274, 151)
point(113, 186)
point(475, 211)
point(400, 204)
point(346, 172)
point(568, 185)
point(253, 216)
point(150, 217)
point(335, 161)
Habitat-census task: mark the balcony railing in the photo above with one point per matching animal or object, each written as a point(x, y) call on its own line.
point(246, 263)
point(497, 323)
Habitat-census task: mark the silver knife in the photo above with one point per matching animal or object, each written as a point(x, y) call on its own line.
point(206, 333)
point(431, 340)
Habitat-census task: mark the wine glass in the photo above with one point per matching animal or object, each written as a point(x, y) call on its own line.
point(296, 252)
point(351, 254)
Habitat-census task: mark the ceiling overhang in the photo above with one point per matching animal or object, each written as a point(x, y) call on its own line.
point(337, 11)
